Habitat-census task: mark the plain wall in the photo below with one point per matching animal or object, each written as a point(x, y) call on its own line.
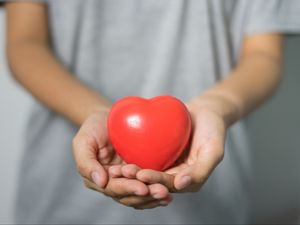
point(275, 131)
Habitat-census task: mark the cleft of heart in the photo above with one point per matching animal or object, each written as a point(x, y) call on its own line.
point(151, 133)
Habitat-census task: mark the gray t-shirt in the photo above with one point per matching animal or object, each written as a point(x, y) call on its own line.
point(144, 48)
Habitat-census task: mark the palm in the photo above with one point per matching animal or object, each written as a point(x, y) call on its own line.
point(208, 138)
point(100, 167)
point(95, 132)
point(205, 151)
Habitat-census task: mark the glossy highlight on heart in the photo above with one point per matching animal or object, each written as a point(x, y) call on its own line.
point(151, 133)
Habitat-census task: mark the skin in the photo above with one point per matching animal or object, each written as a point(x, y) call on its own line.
point(251, 82)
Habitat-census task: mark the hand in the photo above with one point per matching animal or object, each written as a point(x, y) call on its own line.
point(206, 149)
point(205, 152)
point(95, 157)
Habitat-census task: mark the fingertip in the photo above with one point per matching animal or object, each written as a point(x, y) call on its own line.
point(141, 190)
point(99, 178)
point(129, 170)
point(182, 181)
point(158, 191)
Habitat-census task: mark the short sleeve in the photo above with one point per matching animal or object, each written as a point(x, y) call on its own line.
point(282, 16)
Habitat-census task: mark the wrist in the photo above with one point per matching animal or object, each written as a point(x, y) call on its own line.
point(217, 104)
point(100, 109)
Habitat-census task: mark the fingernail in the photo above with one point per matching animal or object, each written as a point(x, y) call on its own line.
point(96, 178)
point(184, 182)
point(156, 196)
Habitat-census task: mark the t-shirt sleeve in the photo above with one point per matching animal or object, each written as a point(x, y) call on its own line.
point(281, 16)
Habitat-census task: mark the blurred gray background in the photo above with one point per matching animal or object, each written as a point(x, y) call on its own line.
point(275, 132)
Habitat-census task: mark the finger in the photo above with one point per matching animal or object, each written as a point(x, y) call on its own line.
point(86, 160)
point(130, 170)
point(153, 204)
point(105, 154)
point(135, 201)
point(159, 191)
point(176, 169)
point(121, 187)
point(150, 205)
point(153, 176)
point(92, 186)
point(196, 174)
point(115, 171)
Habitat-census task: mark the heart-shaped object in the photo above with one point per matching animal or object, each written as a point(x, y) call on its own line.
point(151, 133)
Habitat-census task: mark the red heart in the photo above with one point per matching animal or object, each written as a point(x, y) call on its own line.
point(149, 133)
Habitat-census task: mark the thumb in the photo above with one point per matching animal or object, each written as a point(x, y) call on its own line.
point(194, 175)
point(86, 161)
point(185, 178)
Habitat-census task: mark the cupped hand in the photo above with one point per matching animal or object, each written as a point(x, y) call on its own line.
point(206, 149)
point(204, 153)
point(95, 157)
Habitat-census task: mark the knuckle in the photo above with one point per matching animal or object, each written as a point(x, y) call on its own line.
point(82, 139)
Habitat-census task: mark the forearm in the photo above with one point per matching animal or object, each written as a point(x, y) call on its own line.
point(249, 85)
point(37, 69)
